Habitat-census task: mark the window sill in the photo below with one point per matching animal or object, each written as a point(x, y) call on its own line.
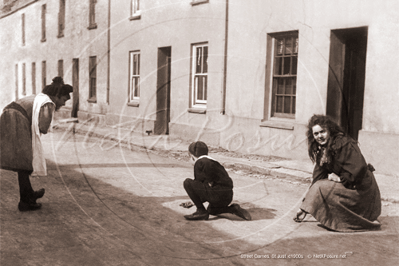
point(134, 104)
point(135, 17)
point(43, 40)
point(198, 2)
point(197, 110)
point(277, 124)
point(92, 100)
point(60, 35)
point(92, 27)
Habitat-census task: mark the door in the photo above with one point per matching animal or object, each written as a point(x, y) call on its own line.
point(345, 92)
point(163, 91)
point(75, 85)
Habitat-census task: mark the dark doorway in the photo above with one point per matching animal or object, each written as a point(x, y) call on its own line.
point(75, 85)
point(163, 91)
point(345, 92)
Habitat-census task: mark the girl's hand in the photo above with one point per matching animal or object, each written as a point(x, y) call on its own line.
point(334, 177)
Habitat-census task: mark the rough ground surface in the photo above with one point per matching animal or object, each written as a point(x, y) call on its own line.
point(109, 205)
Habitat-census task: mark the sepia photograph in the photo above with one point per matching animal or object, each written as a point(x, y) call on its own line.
point(199, 132)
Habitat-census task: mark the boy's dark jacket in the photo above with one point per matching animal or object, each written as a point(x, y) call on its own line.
point(212, 172)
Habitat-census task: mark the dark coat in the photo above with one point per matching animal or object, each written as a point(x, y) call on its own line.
point(348, 206)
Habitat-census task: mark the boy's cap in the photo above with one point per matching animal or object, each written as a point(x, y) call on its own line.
point(198, 149)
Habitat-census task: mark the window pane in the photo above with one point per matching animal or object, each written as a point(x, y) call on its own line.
point(131, 91)
point(296, 45)
point(200, 89)
point(293, 104)
point(136, 87)
point(288, 86)
point(277, 67)
point(287, 65)
point(279, 104)
point(288, 46)
point(294, 86)
point(205, 60)
point(205, 87)
point(287, 104)
point(198, 63)
point(280, 86)
point(280, 46)
point(294, 65)
point(138, 64)
point(134, 64)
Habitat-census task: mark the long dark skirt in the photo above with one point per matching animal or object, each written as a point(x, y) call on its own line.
point(345, 210)
point(15, 141)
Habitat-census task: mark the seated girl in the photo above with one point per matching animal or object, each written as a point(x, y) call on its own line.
point(344, 194)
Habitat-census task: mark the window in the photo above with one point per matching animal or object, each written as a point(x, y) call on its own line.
point(61, 19)
point(284, 74)
point(23, 79)
point(134, 81)
point(93, 78)
point(43, 23)
point(43, 74)
point(23, 28)
point(92, 14)
point(61, 68)
point(135, 11)
point(33, 78)
point(199, 81)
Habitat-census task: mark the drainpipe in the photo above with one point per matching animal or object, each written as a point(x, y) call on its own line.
point(226, 32)
point(109, 48)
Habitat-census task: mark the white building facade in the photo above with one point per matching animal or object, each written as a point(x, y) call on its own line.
point(243, 75)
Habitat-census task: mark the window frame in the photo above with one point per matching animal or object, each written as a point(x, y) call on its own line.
point(92, 79)
point(135, 11)
point(194, 101)
point(277, 62)
point(134, 74)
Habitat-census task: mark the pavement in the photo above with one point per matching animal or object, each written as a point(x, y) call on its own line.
point(283, 168)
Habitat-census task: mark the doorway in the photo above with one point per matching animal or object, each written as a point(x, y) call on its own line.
point(163, 91)
point(346, 78)
point(75, 85)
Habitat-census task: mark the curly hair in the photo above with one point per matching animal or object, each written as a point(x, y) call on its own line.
point(327, 123)
point(57, 88)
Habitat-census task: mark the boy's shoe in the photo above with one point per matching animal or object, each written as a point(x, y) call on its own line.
point(198, 215)
point(240, 212)
point(31, 206)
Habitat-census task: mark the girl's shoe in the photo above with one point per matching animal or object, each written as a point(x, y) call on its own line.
point(300, 216)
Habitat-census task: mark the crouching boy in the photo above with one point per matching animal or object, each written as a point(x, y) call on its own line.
point(211, 184)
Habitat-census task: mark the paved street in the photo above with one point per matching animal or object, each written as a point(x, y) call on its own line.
point(111, 205)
